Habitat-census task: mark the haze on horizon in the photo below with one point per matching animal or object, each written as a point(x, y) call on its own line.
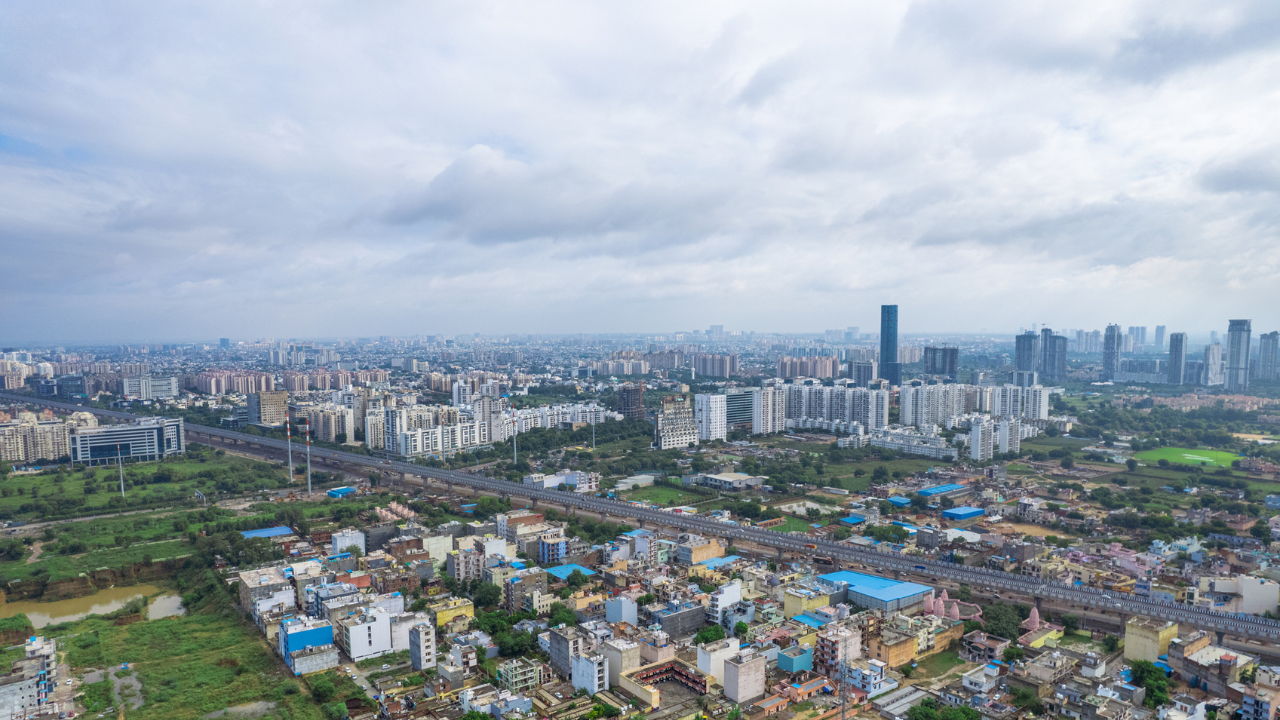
point(178, 172)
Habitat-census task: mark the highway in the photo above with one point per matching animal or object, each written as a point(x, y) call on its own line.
point(1244, 626)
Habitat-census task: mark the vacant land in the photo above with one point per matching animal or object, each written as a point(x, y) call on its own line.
point(189, 665)
point(67, 492)
point(1188, 456)
point(938, 664)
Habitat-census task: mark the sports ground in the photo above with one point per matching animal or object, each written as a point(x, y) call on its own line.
point(1188, 456)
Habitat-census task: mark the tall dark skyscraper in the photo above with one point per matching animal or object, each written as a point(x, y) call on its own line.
point(1112, 344)
point(1026, 352)
point(1178, 359)
point(890, 369)
point(1053, 356)
point(1239, 338)
point(1268, 356)
point(942, 361)
point(1160, 337)
point(224, 343)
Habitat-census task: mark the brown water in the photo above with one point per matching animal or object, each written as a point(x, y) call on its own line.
point(102, 602)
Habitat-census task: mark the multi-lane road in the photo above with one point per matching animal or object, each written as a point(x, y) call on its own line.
point(1121, 604)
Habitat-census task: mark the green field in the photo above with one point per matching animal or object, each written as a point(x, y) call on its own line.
point(1188, 456)
point(662, 496)
point(796, 525)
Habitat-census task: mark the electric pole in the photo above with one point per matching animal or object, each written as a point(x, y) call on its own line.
point(120, 462)
point(288, 438)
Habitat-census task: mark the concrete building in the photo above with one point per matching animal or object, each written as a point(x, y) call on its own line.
point(710, 416)
point(1239, 594)
point(722, 599)
point(981, 440)
point(26, 689)
point(566, 643)
point(150, 388)
point(145, 439)
point(622, 655)
point(797, 658)
point(712, 655)
point(1238, 345)
point(744, 677)
point(348, 537)
point(621, 609)
point(268, 408)
point(836, 646)
point(465, 565)
point(306, 645)
point(520, 675)
point(590, 673)
point(1147, 639)
point(422, 646)
point(365, 633)
point(1203, 665)
point(674, 425)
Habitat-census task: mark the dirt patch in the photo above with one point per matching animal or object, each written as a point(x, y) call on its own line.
point(36, 547)
point(1025, 529)
point(128, 690)
point(248, 710)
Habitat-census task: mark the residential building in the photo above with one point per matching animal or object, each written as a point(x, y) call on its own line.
point(744, 677)
point(942, 361)
point(1147, 639)
point(622, 655)
point(712, 656)
point(422, 646)
point(981, 440)
point(1112, 345)
point(1239, 594)
point(566, 643)
point(27, 688)
point(728, 595)
point(871, 677)
point(710, 416)
point(693, 549)
point(269, 408)
point(465, 565)
point(1269, 356)
point(631, 400)
point(346, 538)
point(862, 372)
point(1238, 348)
point(445, 611)
point(1205, 666)
point(674, 425)
point(981, 647)
point(836, 646)
point(365, 633)
point(1026, 352)
point(306, 645)
point(590, 673)
point(150, 388)
point(796, 659)
point(520, 675)
point(739, 404)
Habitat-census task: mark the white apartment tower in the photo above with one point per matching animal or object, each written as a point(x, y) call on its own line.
point(981, 440)
point(709, 413)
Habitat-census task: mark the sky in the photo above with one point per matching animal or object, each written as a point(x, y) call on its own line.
point(184, 171)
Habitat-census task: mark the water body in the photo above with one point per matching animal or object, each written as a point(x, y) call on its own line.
point(100, 603)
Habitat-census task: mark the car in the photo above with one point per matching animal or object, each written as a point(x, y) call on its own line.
point(68, 682)
point(386, 667)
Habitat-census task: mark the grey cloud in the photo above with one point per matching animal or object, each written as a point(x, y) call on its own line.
point(1251, 174)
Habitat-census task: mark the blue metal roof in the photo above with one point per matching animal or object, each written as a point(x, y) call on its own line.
point(714, 563)
point(853, 520)
point(267, 532)
point(963, 513)
point(940, 489)
point(810, 621)
point(564, 571)
point(880, 588)
point(900, 501)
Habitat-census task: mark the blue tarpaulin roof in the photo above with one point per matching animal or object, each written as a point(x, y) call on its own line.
point(564, 571)
point(714, 563)
point(267, 532)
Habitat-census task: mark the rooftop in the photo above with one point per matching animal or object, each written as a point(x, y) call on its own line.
point(267, 532)
point(564, 571)
point(880, 588)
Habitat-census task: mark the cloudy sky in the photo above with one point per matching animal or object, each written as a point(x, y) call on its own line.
point(173, 171)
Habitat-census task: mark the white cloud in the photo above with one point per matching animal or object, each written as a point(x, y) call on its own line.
point(289, 169)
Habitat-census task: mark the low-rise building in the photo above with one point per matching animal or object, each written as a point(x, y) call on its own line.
point(1148, 639)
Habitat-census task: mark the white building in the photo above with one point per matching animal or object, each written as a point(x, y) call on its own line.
point(769, 411)
point(673, 425)
point(590, 673)
point(365, 633)
point(709, 413)
point(981, 440)
point(150, 388)
point(422, 646)
point(728, 595)
point(1009, 435)
point(711, 656)
point(911, 441)
point(347, 537)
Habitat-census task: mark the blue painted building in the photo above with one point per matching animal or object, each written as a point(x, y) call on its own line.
point(797, 658)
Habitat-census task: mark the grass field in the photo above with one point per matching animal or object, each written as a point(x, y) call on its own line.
point(79, 492)
point(795, 525)
point(662, 496)
point(937, 664)
point(1188, 456)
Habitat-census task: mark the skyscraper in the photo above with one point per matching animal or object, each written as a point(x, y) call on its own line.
point(890, 369)
point(1053, 356)
point(1269, 356)
point(1215, 368)
point(224, 343)
point(1026, 351)
point(1160, 337)
point(1239, 334)
point(1178, 358)
point(1112, 342)
point(631, 401)
point(942, 361)
point(709, 415)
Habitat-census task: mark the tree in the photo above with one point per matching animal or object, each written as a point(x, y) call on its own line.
point(1261, 530)
point(1070, 623)
point(1132, 464)
point(1002, 620)
point(645, 600)
point(477, 715)
point(323, 690)
point(1067, 463)
point(1144, 673)
point(964, 593)
point(561, 615)
point(919, 712)
point(1013, 653)
point(487, 595)
point(1111, 643)
point(741, 629)
point(711, 633)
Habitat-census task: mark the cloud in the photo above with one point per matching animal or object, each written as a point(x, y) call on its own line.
point(259, 170)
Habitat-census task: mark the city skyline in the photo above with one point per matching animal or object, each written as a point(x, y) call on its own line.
point(658, 169)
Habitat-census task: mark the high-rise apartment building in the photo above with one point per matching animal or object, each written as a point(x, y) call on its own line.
point(862, 372)
point(1239, 338)
point(225, 343)
point(1178, 359)
point(769, 414)
point(269, 408)
point(1053, 356)
point(709, 414)
point(674, 425)
point(1215, 366)
point(1112, 343)
point(631, 400)
point(890, 368)
point(1026, 352)
point(942, 361)
point(1269, 356)
point(1160, 337)
point(739, 408)
point(981, 439)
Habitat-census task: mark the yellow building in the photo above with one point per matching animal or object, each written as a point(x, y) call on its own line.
point(451, 608)
point(799, 600)
point(1148, 639)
